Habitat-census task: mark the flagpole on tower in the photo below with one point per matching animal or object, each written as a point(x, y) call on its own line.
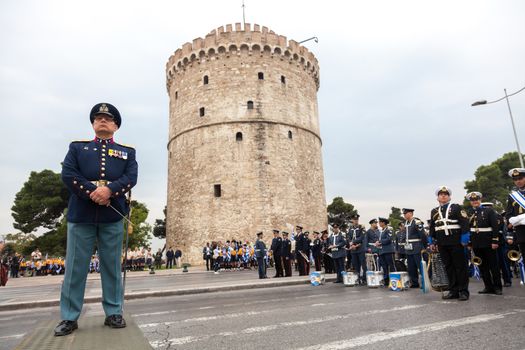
point(243, 16)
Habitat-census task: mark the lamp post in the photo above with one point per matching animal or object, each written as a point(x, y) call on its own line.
point(314, 38)
point(506, 97)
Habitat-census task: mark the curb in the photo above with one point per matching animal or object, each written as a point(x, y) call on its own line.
point(164, 293)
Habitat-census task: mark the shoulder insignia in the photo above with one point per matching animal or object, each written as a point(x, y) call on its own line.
point(81, 141)
point(464, 213)
point(123, 145)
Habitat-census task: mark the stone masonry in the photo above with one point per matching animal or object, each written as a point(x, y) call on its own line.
point(244, 144)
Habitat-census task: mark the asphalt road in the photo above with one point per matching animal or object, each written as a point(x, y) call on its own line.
point(305, 317)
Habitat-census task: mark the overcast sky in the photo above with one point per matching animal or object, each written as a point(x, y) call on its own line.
point(397, 81)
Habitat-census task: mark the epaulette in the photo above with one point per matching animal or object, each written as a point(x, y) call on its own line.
point(81, 141)
point(123, 145)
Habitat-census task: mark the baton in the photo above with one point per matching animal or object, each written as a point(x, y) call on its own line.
point(119, 213)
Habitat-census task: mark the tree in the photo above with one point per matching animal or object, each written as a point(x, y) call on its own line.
point(339, 211)
point(493, 181)
point(21, 241)
point(395, 218)
point(40, 202)
point(159, 228)
point(140, 234)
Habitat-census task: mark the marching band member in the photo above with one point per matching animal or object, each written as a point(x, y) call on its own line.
point(276, 248)
point(286, 254)
point(385, 245)
point(328, 263)
point(372, 236)
point(357, 242)
point(316, 246)
point(449, 231)
point(260, 254)
point(484, 236)
point(337, 244)
point(516, 209)
point(414, 233)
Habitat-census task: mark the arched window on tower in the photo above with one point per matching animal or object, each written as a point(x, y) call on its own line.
point(260, 75)
point(290, 136)
point(201, 111)
point(283, 79)
point(205, 80)
point(238, 136)
point(250, 104)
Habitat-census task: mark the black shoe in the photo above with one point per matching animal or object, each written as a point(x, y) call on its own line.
point(115, 321)
point(486, 291)
point(498, 292)
point(338, 281)
point(414, 286)
point(450, 295)
point(65, 328)
point(463, 296)
point(507, 284)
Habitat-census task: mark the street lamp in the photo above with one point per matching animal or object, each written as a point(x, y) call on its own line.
point(506, 97)
point(314, 38)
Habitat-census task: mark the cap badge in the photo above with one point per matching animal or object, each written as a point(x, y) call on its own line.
point(103, 108)
point(515, 172)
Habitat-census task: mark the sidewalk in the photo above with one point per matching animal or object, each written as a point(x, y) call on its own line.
point(33, 292)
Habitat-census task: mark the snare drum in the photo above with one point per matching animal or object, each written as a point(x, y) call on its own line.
point(374, 279)
point(317, 278)
point(399, 281)
point(350, 279)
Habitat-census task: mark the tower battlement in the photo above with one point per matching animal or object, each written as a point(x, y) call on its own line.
point(234, 40)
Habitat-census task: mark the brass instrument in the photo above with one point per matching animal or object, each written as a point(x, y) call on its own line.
point(513, 255)
point(476, 260)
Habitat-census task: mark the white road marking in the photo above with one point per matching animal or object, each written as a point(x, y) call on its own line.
point(205, 319)
point(207, 307)
point(369, 339)
point(13, 336)
point(251, 330)
point(154, 313)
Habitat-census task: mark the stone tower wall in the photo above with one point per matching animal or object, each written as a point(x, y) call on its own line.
point(271, 177)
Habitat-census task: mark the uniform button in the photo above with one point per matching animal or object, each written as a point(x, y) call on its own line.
point(75, 182)
point(129, 185)
point(103, 159)
point(123, 190)
point(81, 187)
point(103, 146)
point(102, 168)
point(87, 191)
point(116, 194)
point(102, 174)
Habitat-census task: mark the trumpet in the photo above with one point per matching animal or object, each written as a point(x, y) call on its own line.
point(476, 260)
point(513, 255)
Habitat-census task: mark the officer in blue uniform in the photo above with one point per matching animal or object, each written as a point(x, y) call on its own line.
point(372, 236)
point(413, 245)
point(98, 173)
point(260, 254)
point(386, 247)
point(276, 248)
point(357, 242)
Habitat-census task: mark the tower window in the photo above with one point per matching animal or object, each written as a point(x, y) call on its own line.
point(250, 104)
point(176, 94)
point(238, 136)
point(205, 80)
point(290, 134)
point(283, 79)
point(217, 190)
point(260, 75)
point(201, 111)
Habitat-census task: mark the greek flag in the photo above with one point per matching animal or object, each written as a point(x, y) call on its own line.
point(522, 271)
point(476, 273)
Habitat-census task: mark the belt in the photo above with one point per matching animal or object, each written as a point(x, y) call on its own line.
point(413, 240)
point(481, 229)
point(450, 227)
point(100, 183)
point(445, 221)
